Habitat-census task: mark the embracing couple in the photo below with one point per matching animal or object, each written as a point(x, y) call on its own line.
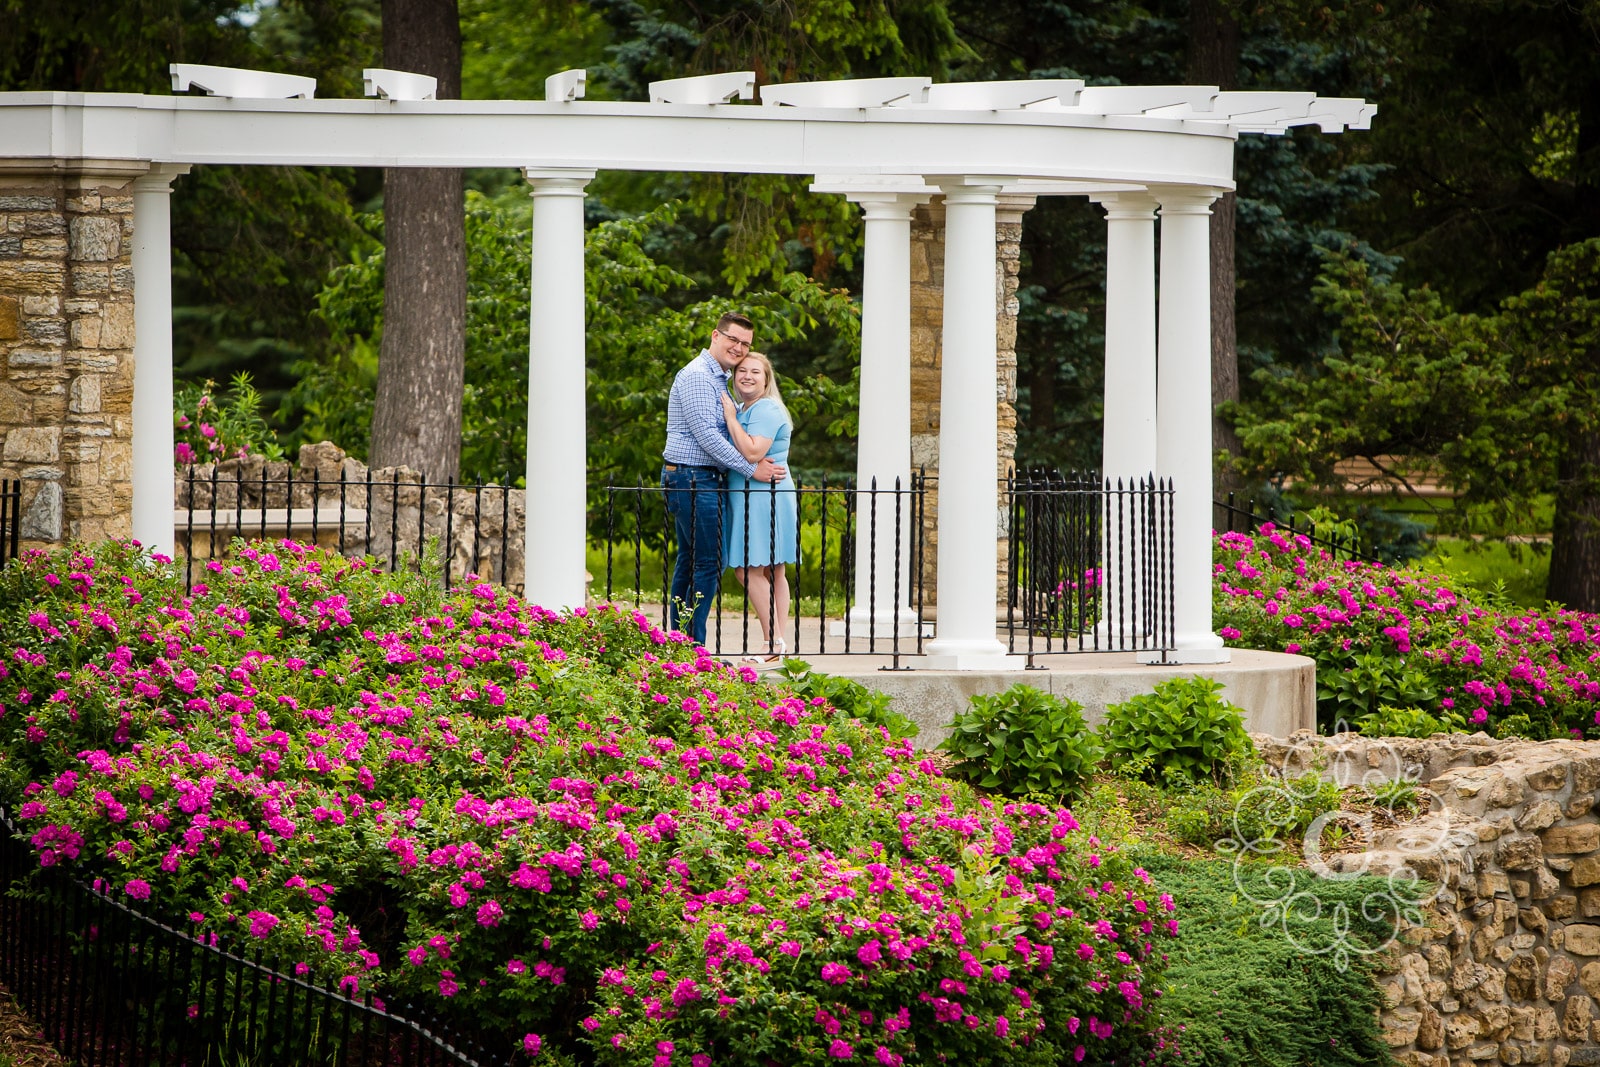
point(716, 448)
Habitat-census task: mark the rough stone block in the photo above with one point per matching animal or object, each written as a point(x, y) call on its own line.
point(41, 516)
point(33, 444)
point(1532, 919)
point(1585, 872)
point(86, 332)
point(1586, 774)
point(1545, 884)
point(1400, 1027)
point(84, 394)
point(1582, 939)
point(1590, 977)
point(44, 247)
point(27, 203)
point(116, 329)
point(1540, 815)
point(51, 225)
point(10, 318)
point(87, 280)
point(1560, 975)
point(1461, 1031)
point(1519, 853)
point(1545, 1024)
point(32, 276)
point(1586, 1056)
point(1548, 779)
point(95, 238)
point(10, 247)
point(116, 461)
point(1585, 837)
point(45, 331)
point(1579, 1014)
point(1562, 907)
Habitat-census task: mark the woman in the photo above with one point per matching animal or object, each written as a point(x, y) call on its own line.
point(762, 532)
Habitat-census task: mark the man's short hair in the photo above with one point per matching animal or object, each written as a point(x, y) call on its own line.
point(733, 318)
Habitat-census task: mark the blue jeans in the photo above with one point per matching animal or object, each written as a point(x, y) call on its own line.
point(695, 502)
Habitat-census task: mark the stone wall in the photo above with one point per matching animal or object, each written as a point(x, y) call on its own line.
point(927, 318)
point(1505, 967)
point(66, 349)
point(384, 512)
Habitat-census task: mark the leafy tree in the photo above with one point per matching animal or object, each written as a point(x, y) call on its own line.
point(1507, 403)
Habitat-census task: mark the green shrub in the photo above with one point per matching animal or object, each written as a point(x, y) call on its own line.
point(852, 698)
point(1023, 741)
point(1371, 681)
point(1390, 721)
point(1256, 808)
point(562, 829)
point(1182, 731)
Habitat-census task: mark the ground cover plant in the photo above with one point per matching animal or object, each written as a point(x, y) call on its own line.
point(574, 832)
point(1403, 639)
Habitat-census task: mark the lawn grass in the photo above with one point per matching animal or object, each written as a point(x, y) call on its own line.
point(1517, 572)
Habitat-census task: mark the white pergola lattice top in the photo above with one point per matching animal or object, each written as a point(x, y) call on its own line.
point(886, 143)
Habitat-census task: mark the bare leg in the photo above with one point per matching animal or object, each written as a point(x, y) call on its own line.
point(780, 602)
point(758, 591)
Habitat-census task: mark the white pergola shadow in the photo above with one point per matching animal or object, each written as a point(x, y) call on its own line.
point(889, 144)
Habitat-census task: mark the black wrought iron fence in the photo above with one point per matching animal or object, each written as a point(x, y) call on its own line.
point(398, 517)
point(10, 518)
point(110, 986)
point(1232, 516)
point(824, 611)
point(1090, 564)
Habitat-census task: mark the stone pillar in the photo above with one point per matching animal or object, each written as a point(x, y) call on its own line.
point(883, 451)
point(968, 431)
point(557, 468)
point(1183, 414)
point(66, 339)
point(927, 310)
point(153, 438)
point(1128, 449)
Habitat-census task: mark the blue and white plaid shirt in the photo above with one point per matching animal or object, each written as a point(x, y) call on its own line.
point(697, 433)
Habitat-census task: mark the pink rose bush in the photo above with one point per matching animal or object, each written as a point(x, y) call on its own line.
point(574, 833)
point(1406, 637)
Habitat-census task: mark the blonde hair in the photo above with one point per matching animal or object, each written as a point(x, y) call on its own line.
point(771, 391)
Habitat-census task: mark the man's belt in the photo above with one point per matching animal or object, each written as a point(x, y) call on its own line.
point(690, 467)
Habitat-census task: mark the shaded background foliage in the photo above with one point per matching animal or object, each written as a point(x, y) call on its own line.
point(1482, 162)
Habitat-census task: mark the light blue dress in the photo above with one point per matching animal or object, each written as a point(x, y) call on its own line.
point(765, 520)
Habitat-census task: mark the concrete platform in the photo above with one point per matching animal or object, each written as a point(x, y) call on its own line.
point(1278, 691)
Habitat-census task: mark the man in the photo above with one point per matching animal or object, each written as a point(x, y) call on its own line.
point(694, 467)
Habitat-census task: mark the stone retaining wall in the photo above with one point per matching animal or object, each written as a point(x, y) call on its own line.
point(1506, 966)
point(66, 352)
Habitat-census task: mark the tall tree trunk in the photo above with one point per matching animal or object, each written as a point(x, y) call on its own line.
point(1214, 60)
point(416, 416)
point(1575, 550)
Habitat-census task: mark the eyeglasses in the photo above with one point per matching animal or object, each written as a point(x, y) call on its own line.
point(734, 341)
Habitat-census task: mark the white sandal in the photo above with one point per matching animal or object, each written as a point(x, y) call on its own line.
point(778, 651)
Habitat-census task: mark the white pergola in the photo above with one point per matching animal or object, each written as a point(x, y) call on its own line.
point(889, 144)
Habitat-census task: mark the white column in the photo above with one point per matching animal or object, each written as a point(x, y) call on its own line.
point(153, 438)
point(557, 467)
point(969, 499)
point(883, 450)
point(1128, 443)
point(1183, 413)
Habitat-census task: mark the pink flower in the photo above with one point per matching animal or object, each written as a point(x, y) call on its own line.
point(841, 1050)
point(836, 973)
point(138, 889)
point(531, 1043)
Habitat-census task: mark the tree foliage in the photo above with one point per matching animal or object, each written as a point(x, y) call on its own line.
point(1497, 400)
point(644, 321)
